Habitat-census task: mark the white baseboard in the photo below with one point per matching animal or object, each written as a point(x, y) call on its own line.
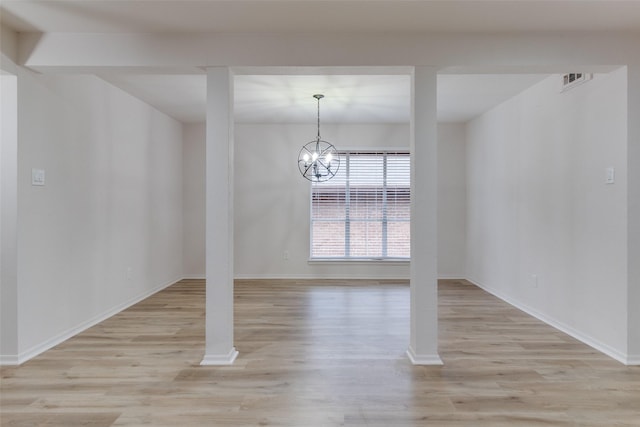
point(193, 277)
point(13, 360)
point(9, 360)
point(329, 277)
point(633, 360)
point(220, 360)
point(54, 341)
point(586, 339)
point(428, 359)
point(314, 277)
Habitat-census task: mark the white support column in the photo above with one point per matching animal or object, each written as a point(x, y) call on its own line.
point(219, 349)
point(633, 215)
point(9, 340)
point(423, 346)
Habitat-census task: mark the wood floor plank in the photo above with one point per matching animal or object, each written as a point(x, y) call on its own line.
point(321, 353)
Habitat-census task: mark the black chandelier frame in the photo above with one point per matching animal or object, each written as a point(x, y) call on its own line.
point(318, 160)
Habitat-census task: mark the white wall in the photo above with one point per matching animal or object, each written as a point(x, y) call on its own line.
point(538, 205)
point(272, 201)
point(106, 229)
point(272, 210)
point(452, 200)
point(193, 199)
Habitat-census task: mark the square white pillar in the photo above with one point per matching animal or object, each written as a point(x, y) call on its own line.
point(633, 214)
point(9, 339)
point(219, 348)
point(423, 345)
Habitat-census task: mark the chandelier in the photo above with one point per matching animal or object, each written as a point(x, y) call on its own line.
point(318, 160)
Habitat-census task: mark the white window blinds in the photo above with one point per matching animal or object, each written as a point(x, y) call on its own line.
point(363, 212)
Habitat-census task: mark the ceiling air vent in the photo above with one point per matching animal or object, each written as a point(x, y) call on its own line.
point(571, 80)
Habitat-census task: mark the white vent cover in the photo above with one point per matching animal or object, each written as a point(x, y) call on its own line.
point(571, 80)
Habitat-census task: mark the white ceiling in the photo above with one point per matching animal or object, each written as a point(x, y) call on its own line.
point(462, 97)
point(361, 98)
point(348, 98)
point(406, 16)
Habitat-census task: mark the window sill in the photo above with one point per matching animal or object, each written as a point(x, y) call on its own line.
point(358, 261)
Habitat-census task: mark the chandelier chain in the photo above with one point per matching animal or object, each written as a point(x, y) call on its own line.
point(318, 97)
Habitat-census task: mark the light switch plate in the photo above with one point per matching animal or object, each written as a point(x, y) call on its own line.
point(611, 176)
point(37, 177)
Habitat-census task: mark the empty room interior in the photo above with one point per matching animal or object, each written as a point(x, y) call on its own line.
point(320, 213)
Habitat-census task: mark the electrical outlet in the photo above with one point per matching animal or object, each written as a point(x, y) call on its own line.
point(534, 280)
point(285, 255)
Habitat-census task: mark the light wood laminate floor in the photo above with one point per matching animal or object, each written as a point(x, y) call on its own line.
point(326, 353)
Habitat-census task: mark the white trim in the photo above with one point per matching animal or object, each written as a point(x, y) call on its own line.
point(633, 360)
point(427, 359)
point(451, 277)
point(13, 360)
point(344, 261)
point(295, 70)
point(332, 277)
point(350, 178)
point(315, 277)
point(9, 360)
point(220, 360)
point(69, 333)
point(586, 339)
point(193, 277)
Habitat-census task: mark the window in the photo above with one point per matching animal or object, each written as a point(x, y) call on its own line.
point(364, 211)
